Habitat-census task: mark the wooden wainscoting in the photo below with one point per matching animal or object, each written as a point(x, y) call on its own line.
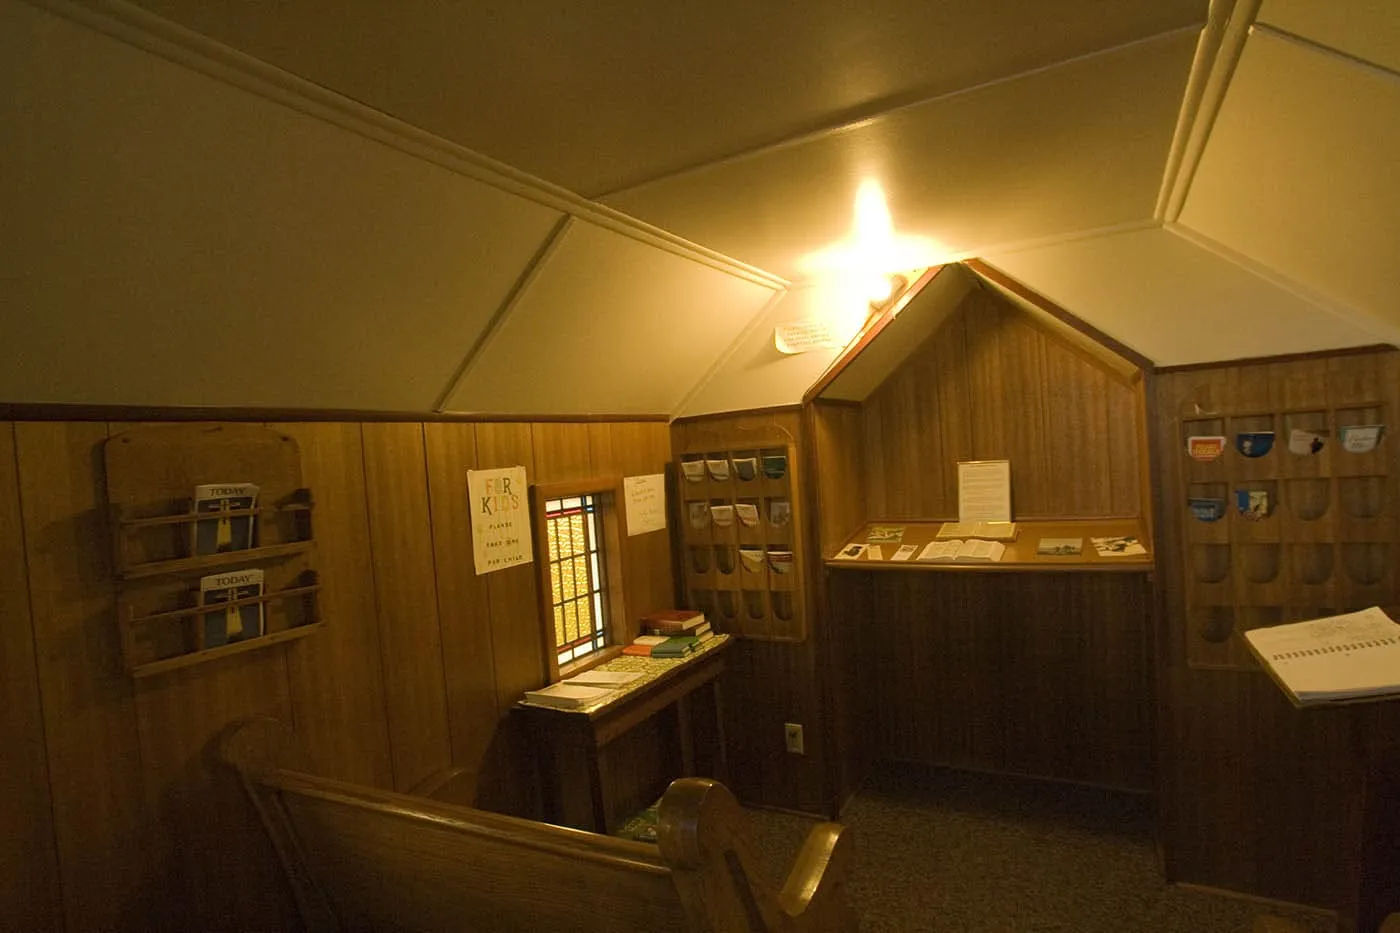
point(421, 660)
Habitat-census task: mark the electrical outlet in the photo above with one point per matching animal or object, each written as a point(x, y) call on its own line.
point(792, 734)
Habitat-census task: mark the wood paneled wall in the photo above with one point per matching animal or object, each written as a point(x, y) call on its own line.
point(107, 781)
point(1045, 674)
point(770, 683)
point(1042, 674)
point(991, 384)
point(1257, 796)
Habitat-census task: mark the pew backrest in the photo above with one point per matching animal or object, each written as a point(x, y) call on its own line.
point(360, 858)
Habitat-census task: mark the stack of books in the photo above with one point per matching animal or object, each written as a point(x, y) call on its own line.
point(672, 622)
point(670, 633)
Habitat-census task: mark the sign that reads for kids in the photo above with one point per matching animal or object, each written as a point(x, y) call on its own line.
point(500, 509)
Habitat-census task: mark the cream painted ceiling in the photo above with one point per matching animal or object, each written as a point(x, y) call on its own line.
point(404, 201)
point(598, 97)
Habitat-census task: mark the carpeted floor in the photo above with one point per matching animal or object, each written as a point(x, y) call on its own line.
point(953, 852)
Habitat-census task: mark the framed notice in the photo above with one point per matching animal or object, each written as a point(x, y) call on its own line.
point(984, 491)
point(500, 511)
point(645, 498)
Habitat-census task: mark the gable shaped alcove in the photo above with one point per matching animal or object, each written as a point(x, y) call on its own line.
point(1031, 666)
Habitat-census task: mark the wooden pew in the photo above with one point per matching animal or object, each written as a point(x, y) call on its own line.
point(359, 858)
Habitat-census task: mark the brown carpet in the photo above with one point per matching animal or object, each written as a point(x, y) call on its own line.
point(953, 852)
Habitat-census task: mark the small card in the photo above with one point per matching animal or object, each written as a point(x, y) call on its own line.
point(1121, 546)
point(1205, 447)
point(905, 552)
point(1361, 438)
point(852, 552)
point(874, 552)
point(1060, 547)
point(1303, 443)
point(1253, 503)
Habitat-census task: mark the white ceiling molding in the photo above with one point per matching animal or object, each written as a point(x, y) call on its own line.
point(1297, 175)
point(1012, 161)
point(752, 373)
point(170, 239)
point(1217, 54)
point(137, 27)
point(1356, 320)
point(489, 332)
point(602, 97)
point(608, 325)
point(919, 317)
point(1362, 29)
point(1176, 302)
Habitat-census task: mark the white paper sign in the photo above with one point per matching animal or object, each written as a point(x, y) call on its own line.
point(646, 503)
point(500, 510)
point(984, 490)
point(801, 336)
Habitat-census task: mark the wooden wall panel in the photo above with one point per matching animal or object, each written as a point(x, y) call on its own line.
point(208, 846)
point(768, 684)
point(1038, 674)
point(840, 479)
point(101, 822)
point(415, 671)
point(516, 638)
point(336, 677)
point(562, 452)
point(839, 490)
point(1256, 796)
point(464, 608)
point(410, 639)
point(992, 384)
point(639, 449)
point(29, 893)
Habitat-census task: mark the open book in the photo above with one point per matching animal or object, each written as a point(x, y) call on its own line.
point(994, 531)
point(969, 550)
point(1347, 657)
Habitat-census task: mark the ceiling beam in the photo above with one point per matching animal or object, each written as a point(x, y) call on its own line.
point(1222, 43)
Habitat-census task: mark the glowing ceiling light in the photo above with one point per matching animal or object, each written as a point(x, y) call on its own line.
point(873, 250)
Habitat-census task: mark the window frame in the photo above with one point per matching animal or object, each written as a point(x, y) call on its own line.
point(607, 492)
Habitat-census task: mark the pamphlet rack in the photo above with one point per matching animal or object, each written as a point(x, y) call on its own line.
point(1292, 519)
point(742, 540)
point(152, 473)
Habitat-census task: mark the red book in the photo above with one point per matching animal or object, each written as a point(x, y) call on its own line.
point(672, 621)
point(641, 651)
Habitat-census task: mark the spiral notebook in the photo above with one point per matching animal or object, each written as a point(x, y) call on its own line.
point(1338, 659)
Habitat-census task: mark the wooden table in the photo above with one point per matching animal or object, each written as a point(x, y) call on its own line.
point(572, 745)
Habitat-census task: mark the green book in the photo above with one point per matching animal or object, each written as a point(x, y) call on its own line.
point(677, 646)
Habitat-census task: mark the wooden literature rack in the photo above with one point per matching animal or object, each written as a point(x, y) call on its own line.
point(1321, 541)
point(742, 543)
point(151, 476)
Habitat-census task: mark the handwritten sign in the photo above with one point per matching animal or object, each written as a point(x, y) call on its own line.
point(646, 503)
point(500, 511)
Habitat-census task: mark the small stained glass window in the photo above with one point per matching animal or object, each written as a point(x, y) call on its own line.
point(578, 581)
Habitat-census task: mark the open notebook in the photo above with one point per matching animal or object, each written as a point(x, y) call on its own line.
point(1337, 659)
